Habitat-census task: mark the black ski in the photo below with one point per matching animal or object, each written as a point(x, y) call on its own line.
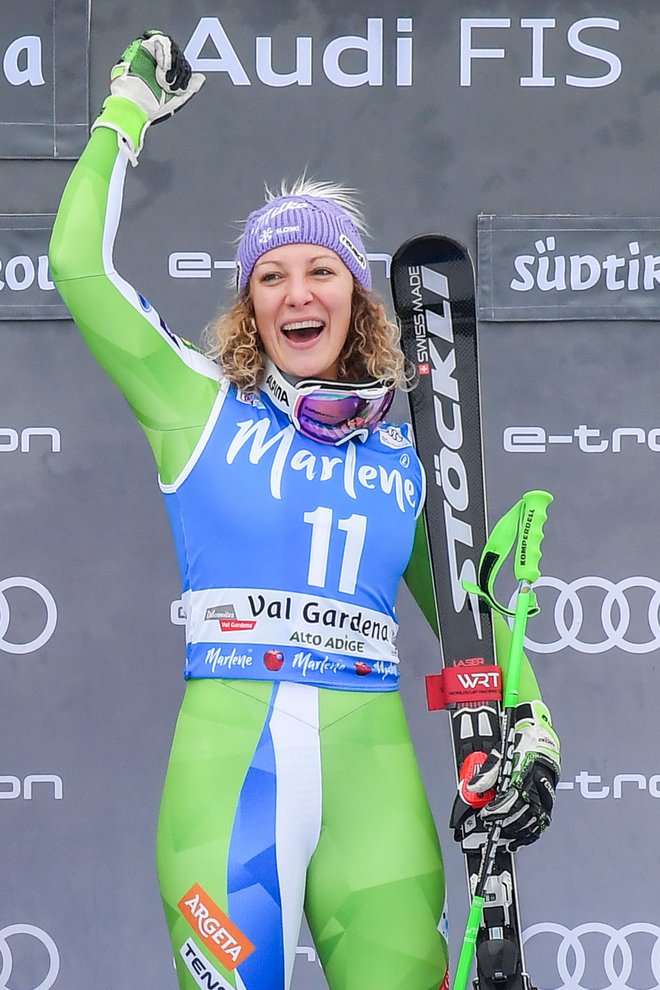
point(433, 288)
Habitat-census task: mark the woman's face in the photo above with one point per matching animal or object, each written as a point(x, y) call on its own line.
point(302, 297)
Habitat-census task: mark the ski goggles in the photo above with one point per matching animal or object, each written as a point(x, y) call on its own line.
point(330, 412)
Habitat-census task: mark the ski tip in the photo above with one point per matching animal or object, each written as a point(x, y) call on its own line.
point(422, 248)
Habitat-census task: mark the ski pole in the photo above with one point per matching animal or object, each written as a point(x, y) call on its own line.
point(524, 524)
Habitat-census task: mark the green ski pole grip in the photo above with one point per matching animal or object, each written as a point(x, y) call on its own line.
point(530, 535)
point(468, 948)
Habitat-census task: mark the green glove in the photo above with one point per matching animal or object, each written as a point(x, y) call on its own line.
point(152, 80)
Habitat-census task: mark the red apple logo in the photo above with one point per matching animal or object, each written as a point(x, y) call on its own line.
point(273, 659)
point(362, 668)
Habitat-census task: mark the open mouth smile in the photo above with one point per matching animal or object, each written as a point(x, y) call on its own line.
point(302, 331)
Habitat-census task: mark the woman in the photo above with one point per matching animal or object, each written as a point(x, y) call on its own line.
point(292, 783)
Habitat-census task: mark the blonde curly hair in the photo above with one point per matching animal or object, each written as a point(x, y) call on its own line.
point(371, 349)
point(372, 346)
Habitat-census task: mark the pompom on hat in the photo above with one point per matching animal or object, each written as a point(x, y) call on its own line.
point(301, 219)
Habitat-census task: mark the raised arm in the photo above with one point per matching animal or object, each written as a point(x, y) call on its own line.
point(169, 385)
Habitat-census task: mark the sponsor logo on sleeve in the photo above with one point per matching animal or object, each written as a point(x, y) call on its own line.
point(219, 935)
point(203, 973)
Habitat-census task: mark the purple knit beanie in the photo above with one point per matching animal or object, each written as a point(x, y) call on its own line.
point(301, 220)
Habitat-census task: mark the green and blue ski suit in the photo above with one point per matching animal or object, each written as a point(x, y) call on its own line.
point(292, 782)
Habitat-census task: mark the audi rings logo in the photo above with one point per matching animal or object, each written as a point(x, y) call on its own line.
point(585, 950)
point(47, 602)
point(7, 959)
point(610, 618)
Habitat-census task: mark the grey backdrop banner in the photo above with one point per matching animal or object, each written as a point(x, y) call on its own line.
point(27, 291)
point(437, 113)
point(569, 268)
point(44, 78)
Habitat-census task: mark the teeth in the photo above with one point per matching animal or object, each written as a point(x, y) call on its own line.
point(304, 325)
